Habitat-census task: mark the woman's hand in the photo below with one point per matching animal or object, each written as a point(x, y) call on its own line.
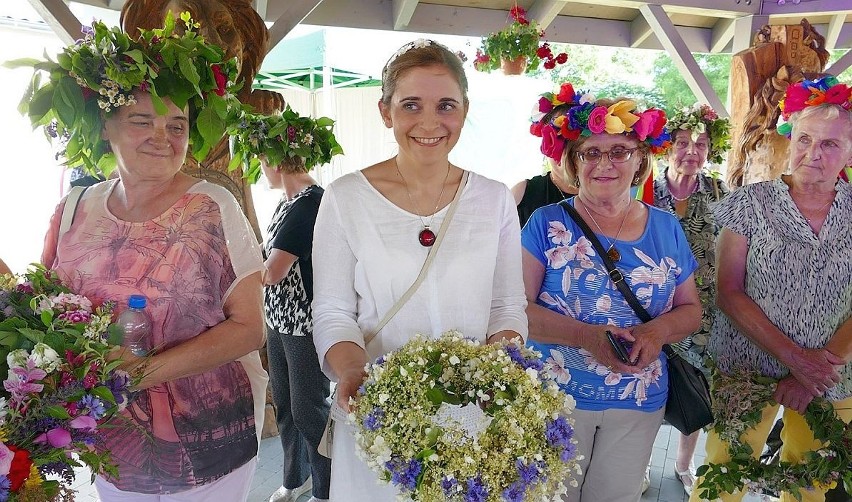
point(815, 369)
point(790, 393)
point(598, 345)
point(650, 338)
point(347, 386)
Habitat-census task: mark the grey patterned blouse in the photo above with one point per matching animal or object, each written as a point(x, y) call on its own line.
point(799, 280)
point(701, 230)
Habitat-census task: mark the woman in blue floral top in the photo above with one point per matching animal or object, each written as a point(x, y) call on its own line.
point(687, 191)
point(572, 302)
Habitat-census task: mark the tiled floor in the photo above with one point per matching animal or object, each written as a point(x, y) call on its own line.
point(664, 487)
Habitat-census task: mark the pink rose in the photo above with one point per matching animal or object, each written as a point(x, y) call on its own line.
point(57, 438)
point(83, 422)
point(650, 124)
point(551, 144)
point(795, 99)
point(597, 120)
point(544, 105)
point(6, 456)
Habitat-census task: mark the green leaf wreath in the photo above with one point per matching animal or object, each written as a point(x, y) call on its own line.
point(738, 403)
point(100, 73)
point(701, 118)
point(287, 136)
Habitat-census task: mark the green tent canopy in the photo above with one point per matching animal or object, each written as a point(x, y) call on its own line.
point(301, 63)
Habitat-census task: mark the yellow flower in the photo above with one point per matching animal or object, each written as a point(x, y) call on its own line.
point(35, 480)
point(619, 119)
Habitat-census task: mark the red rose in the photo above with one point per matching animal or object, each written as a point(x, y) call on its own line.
point(566, 93)
point(568, 133)
point(20, 470)
point(535, 129)
point(221, 79)
point(837, 94)
point(795, 99)
point(551, 143)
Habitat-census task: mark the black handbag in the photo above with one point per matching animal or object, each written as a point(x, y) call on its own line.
point(688, 402)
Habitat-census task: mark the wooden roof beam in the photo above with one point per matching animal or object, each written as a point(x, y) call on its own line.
point(402, 12)
point(59, 17)
point(832, 35)
point(722, 34)
point(261, 7)
point(294, 13)
point(841, 64)
point(545, 11)
point(771, 7)
point(668, 36)
point(640, 30)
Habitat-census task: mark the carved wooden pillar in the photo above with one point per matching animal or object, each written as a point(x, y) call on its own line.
point(780, 56)
point(235, 26)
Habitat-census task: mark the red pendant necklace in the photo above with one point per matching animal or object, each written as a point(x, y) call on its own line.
point(426, 237)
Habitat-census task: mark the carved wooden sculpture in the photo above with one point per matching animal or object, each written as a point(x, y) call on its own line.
point(782, 55)
point(237, 27)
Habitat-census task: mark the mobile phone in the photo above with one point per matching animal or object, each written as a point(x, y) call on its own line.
point(618, 347)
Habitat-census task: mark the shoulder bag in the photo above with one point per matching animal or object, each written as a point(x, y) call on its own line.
point(688, 402)
point(336, 413)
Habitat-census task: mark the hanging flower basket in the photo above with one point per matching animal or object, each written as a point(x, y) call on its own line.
point(519, 40)
point(515, 66)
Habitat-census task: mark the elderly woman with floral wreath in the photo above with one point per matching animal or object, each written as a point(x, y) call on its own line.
point(685, 189)
point(573, 304)
point(785, 300)
point(288, 146)
point(192, 430)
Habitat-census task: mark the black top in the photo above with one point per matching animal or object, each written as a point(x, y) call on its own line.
point(292, 230)
point(540, 191)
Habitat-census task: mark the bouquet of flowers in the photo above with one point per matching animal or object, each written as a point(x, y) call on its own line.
point(737, 407)
point(520, 39)
point(451, 419)
point(60, 389)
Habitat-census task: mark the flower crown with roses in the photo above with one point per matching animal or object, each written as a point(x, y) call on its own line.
point(825, 90)
point(93, 77)
point(567, 115)
point(279, 138)
point(701, 118)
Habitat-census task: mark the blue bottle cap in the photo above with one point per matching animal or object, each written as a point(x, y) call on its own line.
point(137, 302)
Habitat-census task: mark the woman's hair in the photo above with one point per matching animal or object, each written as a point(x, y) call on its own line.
point(418, 54)
point(827, 111)
point(569, 157)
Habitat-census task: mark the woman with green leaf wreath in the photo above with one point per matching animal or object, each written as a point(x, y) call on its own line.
point(192, 429)
point(784, 333)
point(288, 147)
point(686, 190)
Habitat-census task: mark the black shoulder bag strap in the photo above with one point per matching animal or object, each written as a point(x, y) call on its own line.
point(615, 275)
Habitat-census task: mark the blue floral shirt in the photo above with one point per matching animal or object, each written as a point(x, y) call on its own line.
point(576, 284)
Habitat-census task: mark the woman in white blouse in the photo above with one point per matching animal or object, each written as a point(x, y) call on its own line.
point(375, 228)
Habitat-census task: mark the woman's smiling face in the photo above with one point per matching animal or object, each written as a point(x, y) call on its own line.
point(426, 112)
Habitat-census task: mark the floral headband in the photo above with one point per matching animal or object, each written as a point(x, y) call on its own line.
point(825, 90)
point(701, 118)
point(280, 138)
point(100, 73)
point(562, 117)
point(420, 43)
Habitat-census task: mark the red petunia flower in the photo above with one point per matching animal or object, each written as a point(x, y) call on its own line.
point(562, 58)
point(543, 51)
point(549, 64)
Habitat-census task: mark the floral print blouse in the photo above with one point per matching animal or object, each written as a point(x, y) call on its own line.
point(701, 230)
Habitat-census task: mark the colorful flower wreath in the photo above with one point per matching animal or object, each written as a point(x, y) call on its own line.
point(566, 116)
point(100, 73)
point(825, 90)
point(287, 136)
point(701, 118)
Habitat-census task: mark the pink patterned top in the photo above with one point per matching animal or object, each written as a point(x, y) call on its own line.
point(196, 429)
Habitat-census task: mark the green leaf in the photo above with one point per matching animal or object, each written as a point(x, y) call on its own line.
point(188, 70)
point(9, 339)
point(435, 396)
point(104, 393)
point(34, 335)
point(115, 335)
point(210, 125)
point(65, 100)
point(55, 411)
point(159, 105)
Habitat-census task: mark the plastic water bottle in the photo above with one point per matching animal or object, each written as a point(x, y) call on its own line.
point(136, 325)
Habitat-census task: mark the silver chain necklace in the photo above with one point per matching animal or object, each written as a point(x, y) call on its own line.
point(613, 253)
point(426, 237)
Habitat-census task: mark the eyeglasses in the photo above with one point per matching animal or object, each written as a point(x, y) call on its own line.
point(616, 155)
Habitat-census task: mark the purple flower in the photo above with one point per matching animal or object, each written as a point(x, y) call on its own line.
point(76, 316)
point(404, 473)
point(559, 433)
point(515, 492)
point(373, 420)
point(22, 383)
point(57, 438)
point(380, 360)
point(578, 116)
point(528, 473)
point(476, 490)
point(449, 486)
point(92, 406)
point(5, 486)
point(25, 288)
point(518, 358)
